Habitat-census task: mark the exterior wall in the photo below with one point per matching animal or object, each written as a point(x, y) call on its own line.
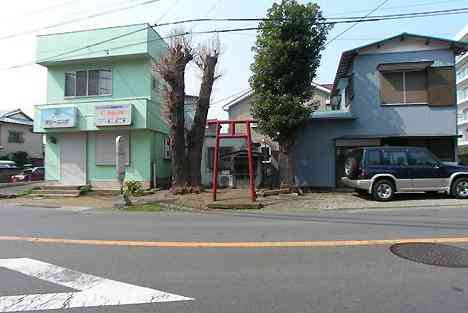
point(52, 159)
point(132, 74)
point(462, 92)
point(55, 48)
point(32, 141)
point(315, 148)
point(145, 148)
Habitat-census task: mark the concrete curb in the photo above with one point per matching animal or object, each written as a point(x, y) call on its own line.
point(7, 185)
point(400, 207)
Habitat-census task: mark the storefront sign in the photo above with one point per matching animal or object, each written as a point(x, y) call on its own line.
point(63, 117)
point(113, 115)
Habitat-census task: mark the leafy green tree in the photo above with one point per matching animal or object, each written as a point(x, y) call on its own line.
point(287, 56)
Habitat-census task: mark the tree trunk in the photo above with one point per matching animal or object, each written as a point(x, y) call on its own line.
point(195, 139)
point(177, 134)
point(286, 164)
point(172, 69)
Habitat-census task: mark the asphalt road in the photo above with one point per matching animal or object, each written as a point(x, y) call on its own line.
point(365, 278)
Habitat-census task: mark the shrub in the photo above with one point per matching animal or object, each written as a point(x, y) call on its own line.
point(20, 158)
point(132, 187)
point(84, 190)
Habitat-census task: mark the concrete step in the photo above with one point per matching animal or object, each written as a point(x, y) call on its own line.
point(61, 187)
point(55, 195)
point(55, 191)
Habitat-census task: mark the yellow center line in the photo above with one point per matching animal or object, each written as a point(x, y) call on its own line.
point(240, 244)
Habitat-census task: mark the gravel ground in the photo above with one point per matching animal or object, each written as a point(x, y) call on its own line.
point(288, 202)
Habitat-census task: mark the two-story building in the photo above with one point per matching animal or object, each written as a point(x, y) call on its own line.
point(462, 92)
point(397, 91)
point(100, 85)
point(16, 134)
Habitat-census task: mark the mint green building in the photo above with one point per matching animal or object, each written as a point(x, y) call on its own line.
point(100, 85)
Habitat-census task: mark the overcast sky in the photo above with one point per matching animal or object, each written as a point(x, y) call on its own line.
point(26, 86)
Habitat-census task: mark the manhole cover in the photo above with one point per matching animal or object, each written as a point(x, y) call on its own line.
point(432, 254)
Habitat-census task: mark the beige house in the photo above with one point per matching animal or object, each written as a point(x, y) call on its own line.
point(239, 109)
point(16, 134)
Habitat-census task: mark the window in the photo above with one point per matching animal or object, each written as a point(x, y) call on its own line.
point(167, 148)
point(421, 158)
point(105, 147)
point(397, 158)
point(88, 83)
point(15, 137)
point(70, 84)
point(404, 87)
point(373, 157)
point(419, 85)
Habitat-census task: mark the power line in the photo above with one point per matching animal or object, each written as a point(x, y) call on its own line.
point(232, 30)
point(35, 30)
point(402, 6)
point(357, 22)
point(329, 20)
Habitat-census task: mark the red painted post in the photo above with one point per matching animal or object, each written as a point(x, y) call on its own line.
point(215, 162)
point(251, 165)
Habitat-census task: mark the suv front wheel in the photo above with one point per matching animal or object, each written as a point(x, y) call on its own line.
point(460, 188)
point(383, 190)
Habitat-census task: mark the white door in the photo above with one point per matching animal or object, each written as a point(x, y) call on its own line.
point(73, 159)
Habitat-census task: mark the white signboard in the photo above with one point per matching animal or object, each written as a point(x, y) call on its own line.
point(113, 114)
point(61, 117)
point(93, 291)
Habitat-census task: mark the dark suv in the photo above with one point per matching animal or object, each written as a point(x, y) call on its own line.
point(384, 171)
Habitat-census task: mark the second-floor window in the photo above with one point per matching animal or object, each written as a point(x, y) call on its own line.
point(15, 137)
point(417, 84)
point(88, 83)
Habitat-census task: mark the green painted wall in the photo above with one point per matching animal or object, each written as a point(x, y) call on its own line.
point(140, 159)
point(131, 78)
point(58, 47)
point(52, 159)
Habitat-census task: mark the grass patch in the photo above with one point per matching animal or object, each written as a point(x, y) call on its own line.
point(150, 207)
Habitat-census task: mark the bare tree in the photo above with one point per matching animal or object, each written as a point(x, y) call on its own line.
point(171, 67)
point(206, 59)
point(187, 146)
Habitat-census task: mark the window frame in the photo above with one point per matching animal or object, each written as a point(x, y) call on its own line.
point(87, 82)
point(18, 136)
point(404, 103)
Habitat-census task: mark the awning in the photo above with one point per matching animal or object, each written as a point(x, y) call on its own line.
point(354, 137)
point(404, 66)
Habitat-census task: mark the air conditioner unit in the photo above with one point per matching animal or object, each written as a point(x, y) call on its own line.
point(225, 181)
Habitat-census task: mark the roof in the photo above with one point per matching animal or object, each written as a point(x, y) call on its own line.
point(347, 57)
point(249, 93)
point(9, 117)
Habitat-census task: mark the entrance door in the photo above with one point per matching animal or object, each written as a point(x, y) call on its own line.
point(73, 159)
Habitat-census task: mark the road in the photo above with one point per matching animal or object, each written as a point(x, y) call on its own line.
point(361, 277)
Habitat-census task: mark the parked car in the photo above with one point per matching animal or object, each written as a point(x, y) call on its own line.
point(6, 171)
point(6, 163)
point(384, 171)
point(30, 174)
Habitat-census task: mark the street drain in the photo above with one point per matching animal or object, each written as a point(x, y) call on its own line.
point(432, 254)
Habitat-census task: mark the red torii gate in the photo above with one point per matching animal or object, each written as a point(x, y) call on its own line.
point(232, 134)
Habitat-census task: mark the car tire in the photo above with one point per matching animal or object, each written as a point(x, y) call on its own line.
point(383, 190)
point(351, 168)
point(459, 188)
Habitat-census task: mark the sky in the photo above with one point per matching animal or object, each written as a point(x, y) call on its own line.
point(25, 86)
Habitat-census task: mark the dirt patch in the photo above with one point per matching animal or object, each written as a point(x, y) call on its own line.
point(285, 202)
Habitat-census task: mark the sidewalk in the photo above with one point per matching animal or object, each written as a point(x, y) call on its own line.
point(13, 189)
point(281, 203)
